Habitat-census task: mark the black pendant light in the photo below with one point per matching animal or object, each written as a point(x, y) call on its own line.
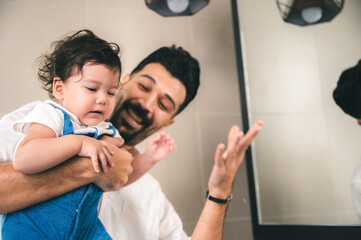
point(309, 12)
point(168, 8)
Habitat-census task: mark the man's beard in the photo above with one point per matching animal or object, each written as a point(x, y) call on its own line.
point(130, 135)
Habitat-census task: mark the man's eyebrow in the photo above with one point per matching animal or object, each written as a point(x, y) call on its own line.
point(149, 77)
point(166, 95)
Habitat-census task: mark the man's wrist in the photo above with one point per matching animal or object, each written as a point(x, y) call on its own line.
point(223, 191)
point(219, 200)
point(82, 170)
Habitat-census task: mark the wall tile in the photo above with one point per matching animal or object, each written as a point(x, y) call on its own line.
point(27, 30)
point(214, 130)
point(215, 50)
point(238, 229)
point(179, 174)
point(215, 9)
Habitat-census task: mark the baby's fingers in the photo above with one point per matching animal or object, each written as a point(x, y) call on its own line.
point(103, 160)
point(171, 145)
point(108, 153)
point(95, 163)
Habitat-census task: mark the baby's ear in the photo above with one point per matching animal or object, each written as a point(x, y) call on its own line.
point(58, 88)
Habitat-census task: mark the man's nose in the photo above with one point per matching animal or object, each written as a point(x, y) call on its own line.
point(149, 102)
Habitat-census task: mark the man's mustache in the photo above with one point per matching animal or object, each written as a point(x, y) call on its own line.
point(138, 109)
point(135, 108)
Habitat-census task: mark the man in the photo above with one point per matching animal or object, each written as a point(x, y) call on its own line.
point(347, 96)
point(160, 87)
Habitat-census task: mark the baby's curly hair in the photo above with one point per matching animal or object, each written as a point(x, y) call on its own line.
point(71, 53)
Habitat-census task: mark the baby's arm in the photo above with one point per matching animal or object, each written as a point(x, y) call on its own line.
point(157, 149)
point(41, 149)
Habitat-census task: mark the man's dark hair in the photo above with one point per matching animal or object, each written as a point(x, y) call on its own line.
point(71, 54)
point(180, 64)
point(347, 94)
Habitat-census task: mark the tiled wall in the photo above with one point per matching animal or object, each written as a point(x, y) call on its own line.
point(28, 27)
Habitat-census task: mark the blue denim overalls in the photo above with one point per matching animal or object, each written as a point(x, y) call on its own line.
point(70, 216)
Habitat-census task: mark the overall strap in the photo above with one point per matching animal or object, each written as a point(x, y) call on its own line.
point(68, 127)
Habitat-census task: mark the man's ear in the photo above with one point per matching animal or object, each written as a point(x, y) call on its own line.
point(168, 124)
point(125, 79)
point(58, 88)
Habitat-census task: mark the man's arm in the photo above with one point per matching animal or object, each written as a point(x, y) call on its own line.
point(210, 223)
point(18, 191)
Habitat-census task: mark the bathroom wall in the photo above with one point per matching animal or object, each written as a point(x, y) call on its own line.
point(28, 27)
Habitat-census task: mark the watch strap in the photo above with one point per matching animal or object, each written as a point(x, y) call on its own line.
point(218, 200)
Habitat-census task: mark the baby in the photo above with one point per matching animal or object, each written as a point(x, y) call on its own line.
point(82, 76)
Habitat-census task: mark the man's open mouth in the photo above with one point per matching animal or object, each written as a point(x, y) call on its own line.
point(135, 116)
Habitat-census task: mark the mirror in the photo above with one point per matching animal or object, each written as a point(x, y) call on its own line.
point(300, 166)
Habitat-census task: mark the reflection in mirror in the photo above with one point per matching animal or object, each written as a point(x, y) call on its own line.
point(305, 156)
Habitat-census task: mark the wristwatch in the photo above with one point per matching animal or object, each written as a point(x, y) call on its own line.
point(218, 200)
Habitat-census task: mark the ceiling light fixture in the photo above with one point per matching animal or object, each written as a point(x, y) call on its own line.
point(308, 12)
point(168, 8)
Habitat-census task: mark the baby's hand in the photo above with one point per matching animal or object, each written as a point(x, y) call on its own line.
point(159, 147)
point(98, 151)
point(117, 141)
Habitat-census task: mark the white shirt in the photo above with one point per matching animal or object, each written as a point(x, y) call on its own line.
point(138, 211)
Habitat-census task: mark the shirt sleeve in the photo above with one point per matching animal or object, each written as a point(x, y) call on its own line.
point(44, 114)
point(8, 138)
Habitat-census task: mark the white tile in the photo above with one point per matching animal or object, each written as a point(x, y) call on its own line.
point(219, 90)
point(27, 30)
point(124, 6)
point(215, 9)
point(263, 10)
point(240, 205)
point(179, 174)
point(189, 227)
point(214, 130)
point(214, 41)
point(238, 229)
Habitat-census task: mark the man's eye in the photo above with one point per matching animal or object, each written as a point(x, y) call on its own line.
point(163, 106)
point(142, 87)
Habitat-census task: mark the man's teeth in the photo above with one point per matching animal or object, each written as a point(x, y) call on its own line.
point(135, 116)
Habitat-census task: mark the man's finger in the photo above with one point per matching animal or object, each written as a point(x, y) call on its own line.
point(232, 134)
point(219, 154)
point(252, 132)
